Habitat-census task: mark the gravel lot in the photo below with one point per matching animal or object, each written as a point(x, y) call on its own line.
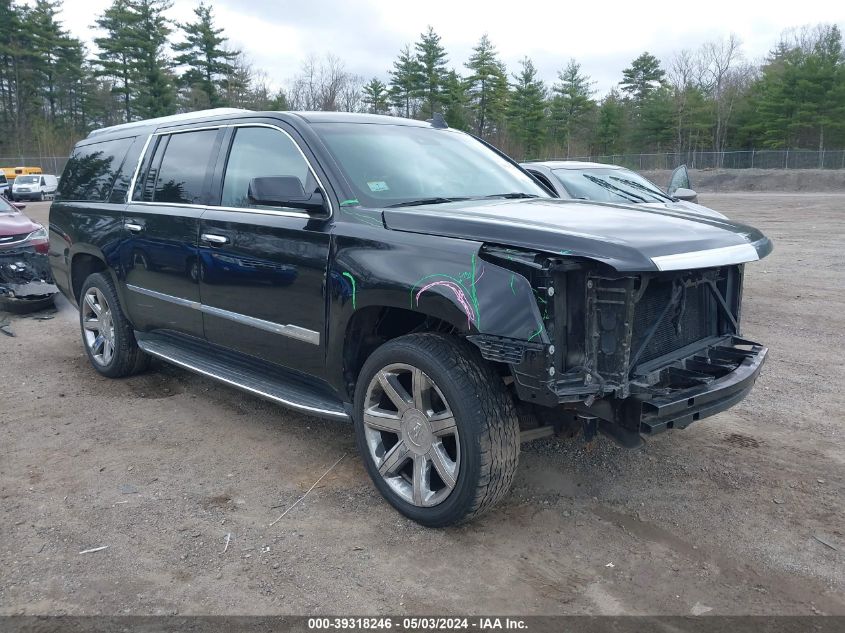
point(739, 514)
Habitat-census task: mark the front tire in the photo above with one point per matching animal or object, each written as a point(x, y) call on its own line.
point(436, 428)
point(106, 333)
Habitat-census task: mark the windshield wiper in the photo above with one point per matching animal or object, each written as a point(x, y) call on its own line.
point(632, 197)
point(422, 201)
point(513, 195)
point(643, 188)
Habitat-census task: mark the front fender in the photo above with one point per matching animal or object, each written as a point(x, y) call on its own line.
point(436, 276)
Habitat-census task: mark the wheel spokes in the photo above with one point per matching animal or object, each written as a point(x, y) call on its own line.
point(394, 459)
point(421, 487)
point(404, 409)
point(98, 343)
point(445, 467)
point(92, 325)
point(443, 423)
point(108, 351)
point(381, 420)
point(395, 391)
point(92, 299)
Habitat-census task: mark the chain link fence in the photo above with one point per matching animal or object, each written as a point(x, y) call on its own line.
point(741, 159)
point(48, 164)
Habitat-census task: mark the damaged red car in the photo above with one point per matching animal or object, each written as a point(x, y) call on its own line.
point(26, 283)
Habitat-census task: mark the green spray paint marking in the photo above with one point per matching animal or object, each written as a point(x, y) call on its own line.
point(567, 252)
point(354, 289)
point(513, 277)
point(463, 286)
point(350, 203)
point(366, 219)
point(537, 333)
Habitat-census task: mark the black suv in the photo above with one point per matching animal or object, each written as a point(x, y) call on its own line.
point(405, 276)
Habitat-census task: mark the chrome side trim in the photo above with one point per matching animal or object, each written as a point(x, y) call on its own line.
point(243, 387)
point(738, 254)
point(185, 205)
point(292, 331)
point(212, 126)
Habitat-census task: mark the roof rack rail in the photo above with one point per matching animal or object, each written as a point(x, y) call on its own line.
point(174, 118)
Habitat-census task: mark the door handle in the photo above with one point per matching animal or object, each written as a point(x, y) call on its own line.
point(211, 238)
point(134, 227)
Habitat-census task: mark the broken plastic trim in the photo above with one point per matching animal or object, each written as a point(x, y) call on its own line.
point(25, 274)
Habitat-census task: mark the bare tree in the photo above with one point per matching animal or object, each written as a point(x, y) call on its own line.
point(324, 84)
point(723, 75)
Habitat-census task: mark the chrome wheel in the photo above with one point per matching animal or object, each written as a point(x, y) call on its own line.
point(97, 326)
point(412, 435)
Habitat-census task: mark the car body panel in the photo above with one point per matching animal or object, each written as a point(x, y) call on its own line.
point(624, 237)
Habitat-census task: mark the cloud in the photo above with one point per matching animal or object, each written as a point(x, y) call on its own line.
point(603, 36)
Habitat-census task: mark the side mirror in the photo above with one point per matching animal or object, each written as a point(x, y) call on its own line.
point(20, 206)
point(678, 180)
point(687, 195)
point(284, 191)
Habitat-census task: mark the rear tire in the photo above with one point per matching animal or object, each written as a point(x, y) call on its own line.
point(448, 451)
point(107, 335)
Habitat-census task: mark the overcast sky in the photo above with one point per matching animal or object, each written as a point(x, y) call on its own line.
point(604, 36)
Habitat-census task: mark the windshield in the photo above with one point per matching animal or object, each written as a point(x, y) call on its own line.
point(609, 185)
point(27, 180)
point(397, 165)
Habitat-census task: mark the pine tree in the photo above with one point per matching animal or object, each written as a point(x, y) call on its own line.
point(527, 109)
point(209, 63)
point(47, 40)
point(643, 76)
point(487, 87)
point(610, 124)
point(115, 59)
point(405, 82)
point(156, 96)
point(572, 104)
point(376, 96)
point(431, 60)
point(455, 100)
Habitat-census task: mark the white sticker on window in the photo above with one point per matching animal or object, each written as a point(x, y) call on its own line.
point(378, 185)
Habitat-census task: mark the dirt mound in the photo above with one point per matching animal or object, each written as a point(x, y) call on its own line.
point(716, 180)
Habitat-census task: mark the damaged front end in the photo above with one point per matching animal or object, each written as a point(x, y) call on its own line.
point(26, 281)
point(630, 354)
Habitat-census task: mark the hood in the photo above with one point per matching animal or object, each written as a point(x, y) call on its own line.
point(16, 224)
point(686, 207)
point(624, 237)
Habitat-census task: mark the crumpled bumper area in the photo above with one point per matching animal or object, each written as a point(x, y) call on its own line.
point(25, 275)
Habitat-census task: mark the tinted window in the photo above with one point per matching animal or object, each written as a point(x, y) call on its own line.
point(91, 169)
point(261, 151)
point(396, 164)
point(181, 175)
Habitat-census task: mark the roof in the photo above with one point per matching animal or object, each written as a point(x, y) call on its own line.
point(174, 118)
point(355, 117)
point(570, 164)
point(210, 115)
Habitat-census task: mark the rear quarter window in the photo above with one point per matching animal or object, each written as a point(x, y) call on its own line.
point(91, 170)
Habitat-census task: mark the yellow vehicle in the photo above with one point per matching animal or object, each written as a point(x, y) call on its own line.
point(13, 172)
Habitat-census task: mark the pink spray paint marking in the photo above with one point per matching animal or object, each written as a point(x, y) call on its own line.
point(459, 293)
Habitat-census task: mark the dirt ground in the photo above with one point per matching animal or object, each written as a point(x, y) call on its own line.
point(742, 513)
point(762, 180)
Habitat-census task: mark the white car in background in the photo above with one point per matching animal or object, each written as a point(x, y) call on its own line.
point(34, 187)
point(611, 183)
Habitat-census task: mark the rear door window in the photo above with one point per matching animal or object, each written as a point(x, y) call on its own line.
point(180, 168)
point(91, 169)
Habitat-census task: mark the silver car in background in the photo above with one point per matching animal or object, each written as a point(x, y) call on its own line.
point(611, 183)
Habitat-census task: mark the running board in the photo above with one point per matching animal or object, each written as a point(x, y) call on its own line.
point(289, 390)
